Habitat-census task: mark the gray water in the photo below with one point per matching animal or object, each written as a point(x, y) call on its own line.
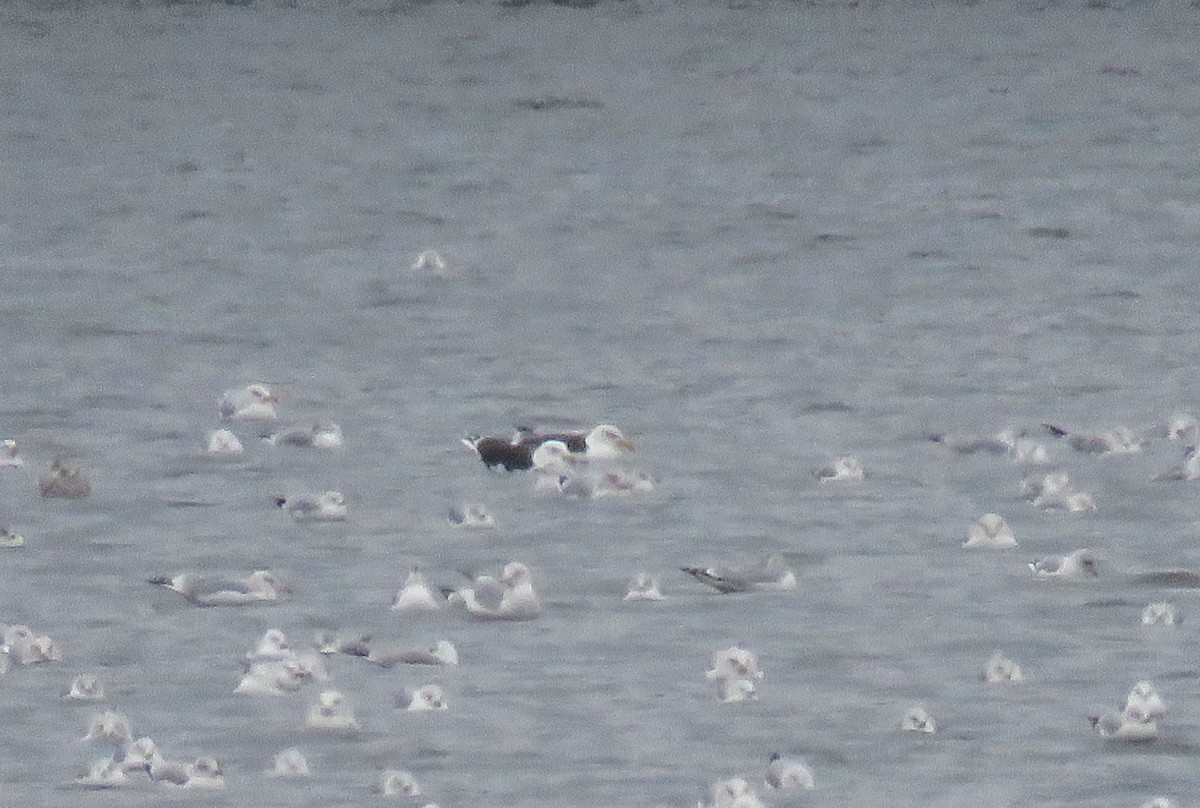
point(754, 237)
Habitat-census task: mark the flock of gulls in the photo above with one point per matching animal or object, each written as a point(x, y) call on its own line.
point(586, 464)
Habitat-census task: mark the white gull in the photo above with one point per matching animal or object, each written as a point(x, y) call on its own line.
point(416, 595)
point(254, 402)
point(992, 532)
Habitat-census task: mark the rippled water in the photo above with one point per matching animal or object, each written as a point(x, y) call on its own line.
point(755, 237)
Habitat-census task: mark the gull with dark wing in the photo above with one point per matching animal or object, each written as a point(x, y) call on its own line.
point(1116, 441)
point(320, 435)
point(773, 572)
point(509, 597)
point(1077, 564)
point(260, 586)
point(329, 506)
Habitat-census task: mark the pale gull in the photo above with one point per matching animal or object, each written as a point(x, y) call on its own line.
point(918, 719)
point(254, 402)
point(10, 457)
point(260, 586)
point(471, 515)
point(10, 539)
point(1161, 614)
point(509, 597)
point(290, 764)
point(734, 662)
point(86, 687)
point(734, 690)
point(429, 262)
point(734, 792)
point(423, 699)
point(843, 468)
point(1077, 564)
point(442, 652)
point(773, 572)
point(397, 783)
point(329, 506)
point(991, 532)
point(321, 435)
point(1144, 703)
point(1001, 669)
point(273, 678)
point(331, 712)
point(109, 726)
point(1116, 726)
point(969, 444)
point(416, 595)
point(644, 586)
point(203, 773)
point(223, 442)
point(785, 773)
point(1116, 441)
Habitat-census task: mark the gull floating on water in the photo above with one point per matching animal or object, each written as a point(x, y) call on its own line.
point(1054, 490)
point(992, 532)
point(290, 764)
point(254, 402)
point(1116, 726)
point(397, 783)
point(734, 662)
point(784, 773)
point(423, 699)
point(203, 773)
point(64, 481)
point(918, 719)
point(86, 687)
point(735, 792)
point(1116, 441)
point(844, 468)
point(1161, 614)
point(273, 646)
point(773, 572)
point(273, 678)
point(327, 507)
point(1001, 669)
point(1078, 564)
point(110, 725)
point(472, 515)
point(1187, 471)
point(1144, 703)
point(604, 442)
point(321, 435)
point(644, 586)
point(350, 643)
point(331, 712)
point(442, 652)
point(1184, 428)
point(23, 645)
point(10, 539)
point(260, 586)
point(10, 457)
point(223, 442)
point(416, 595)
point(509, 597)
point(968, 444)
point(431, 262)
